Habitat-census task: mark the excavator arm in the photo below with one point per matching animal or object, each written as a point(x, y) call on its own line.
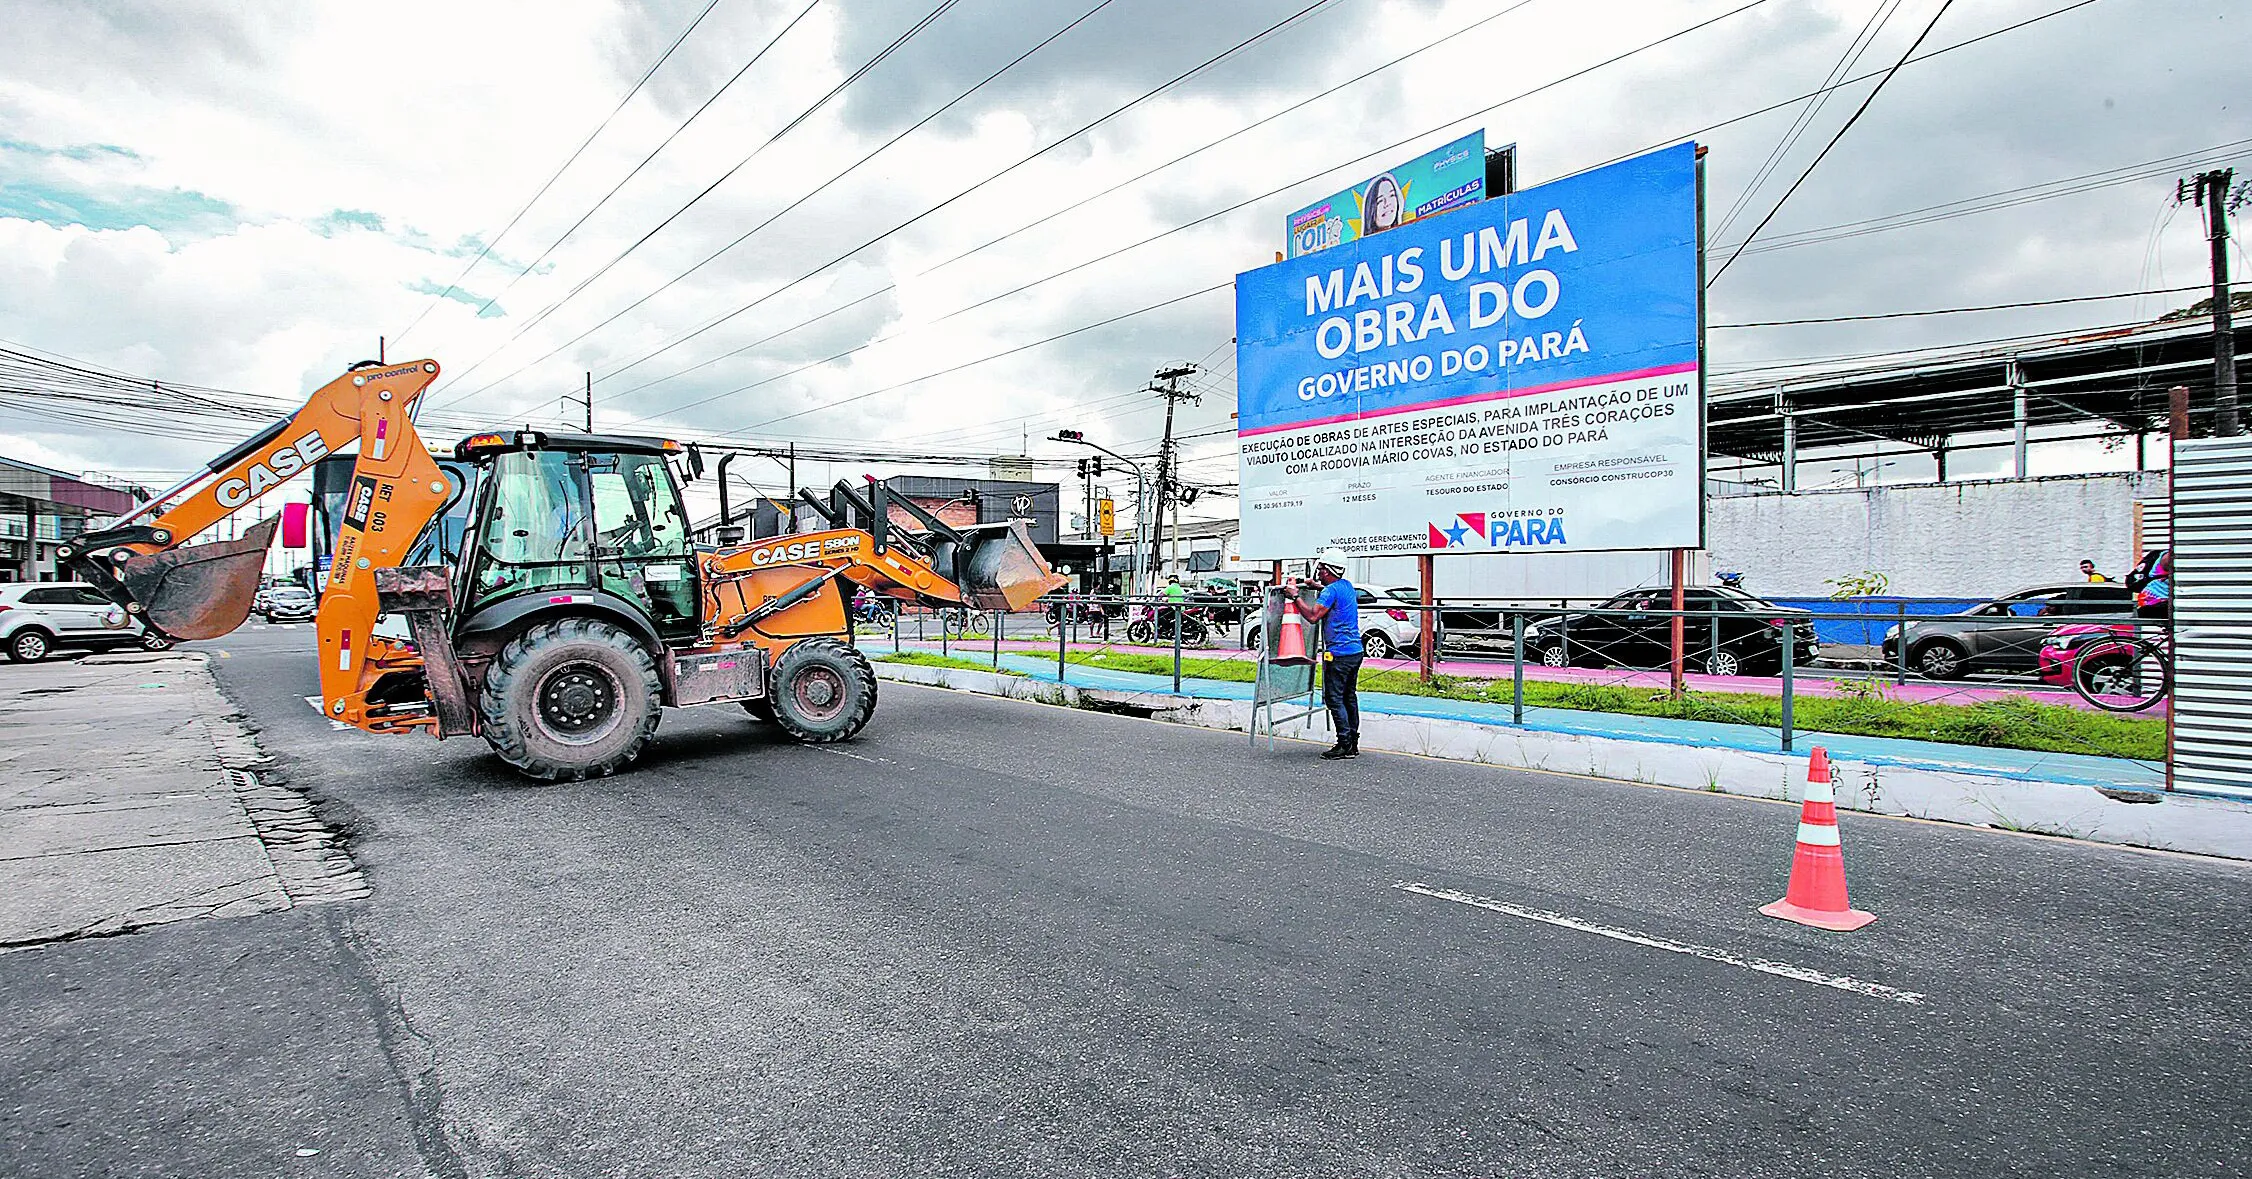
point(781, 589)
point(204, 591)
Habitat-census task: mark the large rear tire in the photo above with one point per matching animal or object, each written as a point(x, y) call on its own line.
point(824, 691)
point(570, 700)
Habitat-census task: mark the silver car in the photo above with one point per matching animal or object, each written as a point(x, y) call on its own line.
point(2002, 635)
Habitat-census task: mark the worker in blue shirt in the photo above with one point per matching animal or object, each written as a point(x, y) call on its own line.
point(1338, 610)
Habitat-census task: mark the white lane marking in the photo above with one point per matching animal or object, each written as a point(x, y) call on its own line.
point(1708, 953)
point(854, 756)
point(333, 723)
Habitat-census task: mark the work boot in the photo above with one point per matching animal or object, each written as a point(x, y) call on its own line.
point(1337, 751)
point(1352, 746)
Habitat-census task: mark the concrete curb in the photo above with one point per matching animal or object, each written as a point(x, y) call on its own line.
point(2169, 822)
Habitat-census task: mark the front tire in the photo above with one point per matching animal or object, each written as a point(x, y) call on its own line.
point(30, 646)
point(1379, 645)
point(152, 641)
point(570, 700)
point(1941, 660)
point(1554, 655)
point(824, 691)
point(1141, 634)
point(1724, 663)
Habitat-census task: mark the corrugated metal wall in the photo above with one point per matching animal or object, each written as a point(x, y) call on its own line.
point(2212, 535)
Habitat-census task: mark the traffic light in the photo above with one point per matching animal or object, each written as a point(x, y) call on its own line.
point(1096, 466)
point(1071, 436)
point(1083, 468)
point(1188, 496)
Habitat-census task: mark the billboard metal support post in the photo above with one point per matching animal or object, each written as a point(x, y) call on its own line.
point(1517, 686)
point(1788, 638)
point(1177, 620)
point(1674, 626)
point(1427, 629)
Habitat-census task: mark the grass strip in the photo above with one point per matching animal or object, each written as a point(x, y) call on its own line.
point(2010, 722)
point(926, 659)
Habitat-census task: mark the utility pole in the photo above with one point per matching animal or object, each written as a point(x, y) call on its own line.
point(2211, 191)
point(1167, 384)
point(585, 402)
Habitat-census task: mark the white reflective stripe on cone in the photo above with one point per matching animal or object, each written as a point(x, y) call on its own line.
point(1820, 792)
point(1817, 835)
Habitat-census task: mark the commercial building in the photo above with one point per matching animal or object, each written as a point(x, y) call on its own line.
point(40, 508)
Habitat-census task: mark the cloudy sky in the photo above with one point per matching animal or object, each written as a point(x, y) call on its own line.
point(244, 197)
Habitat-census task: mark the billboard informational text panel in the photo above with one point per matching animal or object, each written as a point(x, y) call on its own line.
point(1518, 375)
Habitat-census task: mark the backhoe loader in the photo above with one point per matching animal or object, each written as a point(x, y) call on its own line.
point(552, 597)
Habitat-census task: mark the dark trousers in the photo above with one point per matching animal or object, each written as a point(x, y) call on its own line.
point(1341, 694)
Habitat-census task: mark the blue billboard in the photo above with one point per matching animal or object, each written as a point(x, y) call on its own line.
point(1450, 382)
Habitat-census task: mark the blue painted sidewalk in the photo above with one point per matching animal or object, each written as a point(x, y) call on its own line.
point(2067, 768)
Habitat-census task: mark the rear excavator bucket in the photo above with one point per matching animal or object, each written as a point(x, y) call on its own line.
point(200, 591)
point(1002, 570)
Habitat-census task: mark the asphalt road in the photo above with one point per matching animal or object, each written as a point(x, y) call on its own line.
point(992, 938)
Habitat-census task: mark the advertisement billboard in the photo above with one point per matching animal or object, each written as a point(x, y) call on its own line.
point(1518, 375)
point(1429, 184)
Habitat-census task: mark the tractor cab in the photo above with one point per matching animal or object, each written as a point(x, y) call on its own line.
point(535, 519)
point(558, 515)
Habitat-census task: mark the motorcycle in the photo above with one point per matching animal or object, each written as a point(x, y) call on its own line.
point(1155, 625)
point(873, 610)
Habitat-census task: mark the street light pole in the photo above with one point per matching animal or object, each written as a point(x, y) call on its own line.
point(1141, 499)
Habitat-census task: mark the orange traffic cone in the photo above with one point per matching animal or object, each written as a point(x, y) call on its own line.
point(1290, 637)
point(1816, 895)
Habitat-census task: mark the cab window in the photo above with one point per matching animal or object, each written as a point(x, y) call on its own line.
point(635, 511)
point(536, 531)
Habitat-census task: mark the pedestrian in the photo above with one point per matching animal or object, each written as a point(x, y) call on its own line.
point(1338, 610)
point(2154, 599)
point(2088, 570)
point(1174, 596)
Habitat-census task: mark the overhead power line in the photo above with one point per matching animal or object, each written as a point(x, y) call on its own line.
point(1925, 57)
point(1879, 16)
point(1019, 163)
point(1092, 197)
point(653, 153)
point(779, 213)
point(818, 104)
point(1239, 205)
point(565, 166)
point(1825, 152)
point(1955, 310)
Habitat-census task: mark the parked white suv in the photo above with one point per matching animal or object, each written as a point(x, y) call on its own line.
point(38, 618)
point(1389, 627)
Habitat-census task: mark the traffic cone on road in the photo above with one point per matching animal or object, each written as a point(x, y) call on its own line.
point(1290, 637)
point(1816, 895)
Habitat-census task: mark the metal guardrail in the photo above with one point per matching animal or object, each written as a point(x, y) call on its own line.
point(2009, 679)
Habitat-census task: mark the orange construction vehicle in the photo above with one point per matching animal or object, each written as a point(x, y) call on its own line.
point(560, 602)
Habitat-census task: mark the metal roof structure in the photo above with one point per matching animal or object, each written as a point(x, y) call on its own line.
point(2112, 380)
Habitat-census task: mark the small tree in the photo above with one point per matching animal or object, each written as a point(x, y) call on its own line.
point(1866, 584)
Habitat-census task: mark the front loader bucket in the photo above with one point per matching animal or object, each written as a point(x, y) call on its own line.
point(1002, 570)
point(200, 591)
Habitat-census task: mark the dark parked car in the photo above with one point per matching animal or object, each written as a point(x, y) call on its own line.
point(1729, 632)
point(2003, 635)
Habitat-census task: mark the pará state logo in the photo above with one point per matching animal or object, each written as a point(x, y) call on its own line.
point(1486, 530)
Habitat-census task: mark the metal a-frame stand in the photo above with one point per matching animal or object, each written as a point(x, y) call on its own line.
point(1283, 686)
